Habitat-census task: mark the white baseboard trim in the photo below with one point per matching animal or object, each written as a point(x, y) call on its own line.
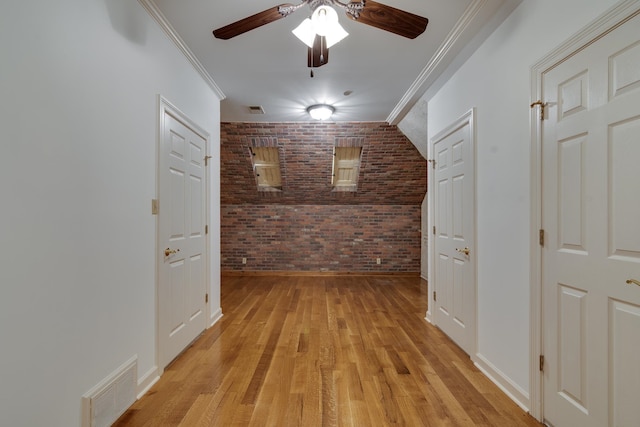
point(215, 316)
point(504, 383)
point(428, 317)
point(153, 375)
point(147, 381)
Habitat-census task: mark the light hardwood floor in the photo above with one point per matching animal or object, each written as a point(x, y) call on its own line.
point(324, 351)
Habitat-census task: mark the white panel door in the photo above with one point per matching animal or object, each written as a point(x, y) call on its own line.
point(182, 246)
point(454, 218)
point(591, 217)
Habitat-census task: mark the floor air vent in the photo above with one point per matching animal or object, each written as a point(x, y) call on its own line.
point(107, 401)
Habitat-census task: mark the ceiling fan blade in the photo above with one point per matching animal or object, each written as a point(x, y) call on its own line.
point(391, 19)
point(250, 23)
point(318, 55)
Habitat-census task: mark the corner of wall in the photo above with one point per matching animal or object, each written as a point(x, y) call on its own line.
point(146, 381)
point(216, 315)
point(504, 383)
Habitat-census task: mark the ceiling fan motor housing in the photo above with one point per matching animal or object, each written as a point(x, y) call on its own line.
point(352, 8)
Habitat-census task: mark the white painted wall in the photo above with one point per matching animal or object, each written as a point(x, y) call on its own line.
point(78, 122)
point(414, 126)
point(496, 80)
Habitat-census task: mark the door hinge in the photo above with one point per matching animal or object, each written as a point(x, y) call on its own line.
point(542, 106)
point(434, 296)
point(206, 160)
point(206, 298)
point(433, 163)
point(541, 237)
point(541, 363)
point(206, 229)
point(434, 230)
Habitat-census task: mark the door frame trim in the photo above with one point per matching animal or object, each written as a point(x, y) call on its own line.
point(424, 227)
point(467, 118)
point(166, 107)
point(601, 26)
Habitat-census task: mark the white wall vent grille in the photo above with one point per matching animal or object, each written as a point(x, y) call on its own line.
point(107, 401)
point(256, 109)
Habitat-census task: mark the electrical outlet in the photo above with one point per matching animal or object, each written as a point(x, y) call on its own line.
point(378, 260)
point(244, 260)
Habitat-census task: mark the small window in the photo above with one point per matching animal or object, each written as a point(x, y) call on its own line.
point(346, 168)
point(266, 167)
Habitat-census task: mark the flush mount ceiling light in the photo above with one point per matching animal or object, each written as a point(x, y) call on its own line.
point(320, 111)
point(324, 23)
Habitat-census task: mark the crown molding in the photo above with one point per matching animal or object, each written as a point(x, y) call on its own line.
point(156, 14)
point(431, 71)
point(610, 20)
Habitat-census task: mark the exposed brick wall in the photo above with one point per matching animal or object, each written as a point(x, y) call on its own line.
point(345, 238)
point(307, 226)
point(392, 171)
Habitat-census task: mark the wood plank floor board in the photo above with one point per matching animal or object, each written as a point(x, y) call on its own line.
point(324, 351)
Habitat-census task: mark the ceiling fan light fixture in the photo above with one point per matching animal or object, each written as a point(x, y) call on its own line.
point(323, 22)
point(305, 32)
point(321, 111)
point(336, 34)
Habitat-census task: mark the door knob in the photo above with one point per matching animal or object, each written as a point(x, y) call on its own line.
point(169, 251)
point(633, 282)
point(465, 251)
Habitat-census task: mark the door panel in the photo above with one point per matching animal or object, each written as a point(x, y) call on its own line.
point(624, 369)
point(197, 188)
point(444, 276)
point(176, 296)
point(624, 73)
point(181, 280)
point(624, 206)
point(572, 364)
point(196, 273)
point(176, 205)
point(571, 218)
point(454, 219)
point(458, 288)
point(590, 211)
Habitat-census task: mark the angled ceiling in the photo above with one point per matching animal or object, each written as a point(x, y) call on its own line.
point(383, 74)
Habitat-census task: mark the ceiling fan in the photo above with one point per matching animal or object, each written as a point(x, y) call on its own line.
point(366, 12)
